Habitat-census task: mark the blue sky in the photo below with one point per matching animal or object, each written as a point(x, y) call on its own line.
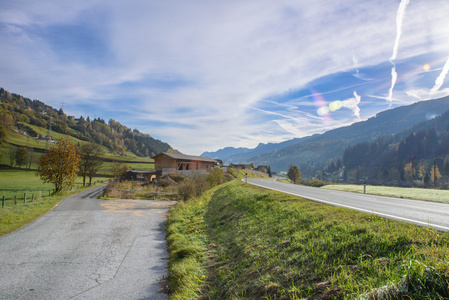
point(202, 75)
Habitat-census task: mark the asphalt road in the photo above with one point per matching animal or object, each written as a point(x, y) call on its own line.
point(88, 249)
point(422, 213)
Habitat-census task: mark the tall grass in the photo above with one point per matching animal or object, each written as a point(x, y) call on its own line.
point(267, 245)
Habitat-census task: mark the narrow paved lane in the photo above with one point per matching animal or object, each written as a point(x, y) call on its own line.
point(422, 213)
point(88, 249)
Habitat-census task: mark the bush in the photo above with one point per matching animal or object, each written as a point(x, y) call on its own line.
point(175, 177)
point(216, 177)
point(314, 182)
point(193, 187)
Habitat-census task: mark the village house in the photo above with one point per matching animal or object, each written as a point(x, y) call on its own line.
point(166, 163)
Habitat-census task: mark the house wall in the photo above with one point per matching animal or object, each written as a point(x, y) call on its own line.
point(164, 162)
point(169, 165)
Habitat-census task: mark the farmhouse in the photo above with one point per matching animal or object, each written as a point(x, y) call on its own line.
point(183, 164)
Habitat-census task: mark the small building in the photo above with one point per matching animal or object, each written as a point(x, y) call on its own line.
point(145, 176)
point(183, 164)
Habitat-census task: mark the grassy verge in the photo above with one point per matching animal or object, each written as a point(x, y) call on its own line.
point(398, 192)
point(243, 242)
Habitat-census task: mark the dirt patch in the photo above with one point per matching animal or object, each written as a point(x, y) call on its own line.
point(136, 207)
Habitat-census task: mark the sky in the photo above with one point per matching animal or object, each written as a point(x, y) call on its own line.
point(203, 75)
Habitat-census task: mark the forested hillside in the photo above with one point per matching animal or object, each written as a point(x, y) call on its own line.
point(419, 155)
point(17, 111)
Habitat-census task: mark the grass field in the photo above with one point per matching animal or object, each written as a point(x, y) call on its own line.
point(17, 182)
point(397, 192)
point(242, 242)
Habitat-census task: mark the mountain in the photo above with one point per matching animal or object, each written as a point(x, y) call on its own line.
point(316, 151)
point(414, 154)
point(236, 155)
point(23, 113)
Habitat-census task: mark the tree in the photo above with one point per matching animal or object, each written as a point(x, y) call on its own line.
point(216, 177)
point(446, 165)
point(3, 133)
point(21, 156)
point(409, 173)
point(12, 155)
point(118, 169)
point(269, 172)
point(435, 174)
point(60, 165)
point(91, 161)
point(294, 174)
point(6, 120)
point(31, 157)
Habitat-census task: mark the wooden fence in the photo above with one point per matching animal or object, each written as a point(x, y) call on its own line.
point(26, 197)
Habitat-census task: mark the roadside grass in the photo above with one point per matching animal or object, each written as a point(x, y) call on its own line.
point(243, 242)
point(398, 192)
point(240, 174)
point(187, 241)
point(17, 182)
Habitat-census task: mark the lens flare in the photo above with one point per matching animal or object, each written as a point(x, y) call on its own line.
point(426, 67)
point(336, 105)
point(323, 110)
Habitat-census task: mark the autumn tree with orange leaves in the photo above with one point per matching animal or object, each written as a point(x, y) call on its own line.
point(60, 165)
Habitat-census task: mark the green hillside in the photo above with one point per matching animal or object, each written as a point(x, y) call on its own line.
point(37, 121)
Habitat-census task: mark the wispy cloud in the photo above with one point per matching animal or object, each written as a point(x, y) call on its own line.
point(440, 79)
point(192, 73)
point(399, 21)
point(353, 104)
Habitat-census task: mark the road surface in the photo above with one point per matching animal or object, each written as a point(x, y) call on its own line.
point(422, 213)
point(88, 249)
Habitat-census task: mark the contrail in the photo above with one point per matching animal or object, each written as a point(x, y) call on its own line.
point(399, 20)
point(440, 79)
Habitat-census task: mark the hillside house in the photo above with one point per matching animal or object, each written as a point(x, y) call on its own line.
point(183, 164)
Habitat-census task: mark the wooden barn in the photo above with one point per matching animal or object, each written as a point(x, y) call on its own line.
point(183, 164)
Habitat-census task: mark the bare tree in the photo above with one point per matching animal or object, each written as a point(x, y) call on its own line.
point(91, 161)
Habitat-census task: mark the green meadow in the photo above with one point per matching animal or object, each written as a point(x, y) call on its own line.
point(17, 182)
point(242, 242)
point(397, 192)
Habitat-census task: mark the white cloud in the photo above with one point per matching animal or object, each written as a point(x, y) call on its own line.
point(440, 79)
point(228, 56)
point(353, 104)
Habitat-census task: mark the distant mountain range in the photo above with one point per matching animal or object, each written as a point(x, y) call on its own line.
point(319, 149)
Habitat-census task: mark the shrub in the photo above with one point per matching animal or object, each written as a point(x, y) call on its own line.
point(175, 177)
point(314, 182)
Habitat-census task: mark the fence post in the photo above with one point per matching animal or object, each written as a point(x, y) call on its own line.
point(3, 201)
point(40, 195)
point(49, 193)
point(15, 200)
point(32, 197)
point(25, 198)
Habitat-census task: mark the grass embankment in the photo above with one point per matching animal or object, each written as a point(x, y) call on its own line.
point(16, 182)
point(242, 242)
point(397, 192)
